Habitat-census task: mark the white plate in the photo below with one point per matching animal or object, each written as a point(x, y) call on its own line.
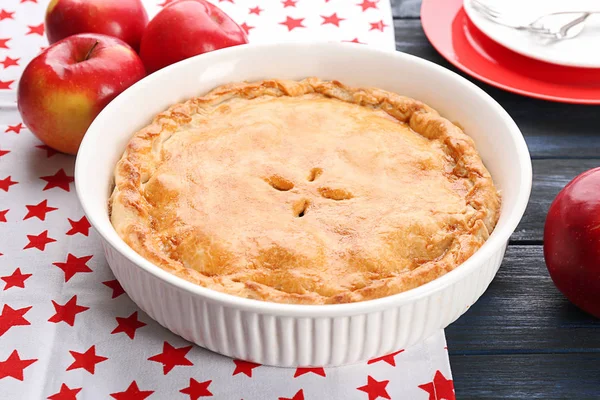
point(581, 51)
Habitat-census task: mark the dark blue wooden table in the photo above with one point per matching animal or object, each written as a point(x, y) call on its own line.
point(523, 339)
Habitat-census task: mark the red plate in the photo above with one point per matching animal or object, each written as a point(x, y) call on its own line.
point(456, 38)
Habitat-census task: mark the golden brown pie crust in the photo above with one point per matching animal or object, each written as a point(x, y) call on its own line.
point(305, 192)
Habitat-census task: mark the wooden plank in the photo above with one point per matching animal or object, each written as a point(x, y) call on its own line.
point(552, 130)
point(406, 8)
point(523, 312)
point(560, 376)
point(549, 177)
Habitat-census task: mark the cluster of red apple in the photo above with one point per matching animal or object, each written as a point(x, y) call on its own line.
point(94, 56)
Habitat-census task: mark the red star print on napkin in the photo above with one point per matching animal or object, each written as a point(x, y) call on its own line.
point(440, 388)
point(6, 183)
point(378, 26)
point(11, 317)
point(3, 215)
point(256, 10)
point(375, 389)
point(133, 392)
point(59, 180)
point(116, 288)
point(82, 226)
point(6, 84)
point(333, 19)
point(3, 42)
point(197, 389)
point(16, 279)
point(289, 3)
point(298, 396)
point(246, 27)
point(315, 370)
point(39, 241)
point(67, 312)
point(49, 150)
point(39, 210)
point(128, 325)
point(13, 366)
point(65, 393)
point(244, 367)
point(14, 128)
point(74, 265)
point(171, 357)
point(366, 4)
point(10, 62)
point(293, 23)
point(36, 30)
point(87, 360)
point(4, 152)
point(389, 358)
point(6, 15)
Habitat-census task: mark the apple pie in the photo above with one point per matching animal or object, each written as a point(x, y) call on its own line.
point(307, 192)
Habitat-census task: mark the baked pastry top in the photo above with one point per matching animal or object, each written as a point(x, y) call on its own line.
point(305, 192)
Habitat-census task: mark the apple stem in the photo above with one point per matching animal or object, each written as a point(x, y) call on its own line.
point(90, 52)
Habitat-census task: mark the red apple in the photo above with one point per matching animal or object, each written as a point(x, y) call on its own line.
point(186, 28)
point(63, 89)
point(124, 19)
point(572, 241)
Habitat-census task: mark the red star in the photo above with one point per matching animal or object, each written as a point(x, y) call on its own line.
point(60, 180)
point(246, 27)
point(293, 23)
point(65, 393)
point(375, 389)
point(13, 366)
point(6, 183)
point(3, 44)
point(171, 357)
point(377, 26)
point(6, 14)
point(82, 226)
point(116, 288)
point(39, 211)
point(197, 389)
point(128, 325)
point(256, 10)
point(87, 360)
point(298, 396)
point(4, 152)
point(16, 279)
point(11, 317)
point(3, 215)
point(289, 3)
point(244, 367)
point(387, 358)
point(9, 62)
point(73, 265)
point(36, 30)
point(333, 19)
point(366, 4)
point(301, 371)
point(5, 84)
point(39, 241)
point(14, 128)
point(49, 150)
point(132, 393)
point(440, 388)
point(67, 312)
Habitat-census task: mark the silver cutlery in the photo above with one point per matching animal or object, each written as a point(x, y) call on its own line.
point(539, 25)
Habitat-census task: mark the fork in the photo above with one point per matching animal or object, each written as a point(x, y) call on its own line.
point(536, 26)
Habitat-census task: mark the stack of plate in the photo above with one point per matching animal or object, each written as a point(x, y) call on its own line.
point(516, 60)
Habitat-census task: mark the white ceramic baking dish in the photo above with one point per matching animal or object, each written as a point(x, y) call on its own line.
point(303, 335)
